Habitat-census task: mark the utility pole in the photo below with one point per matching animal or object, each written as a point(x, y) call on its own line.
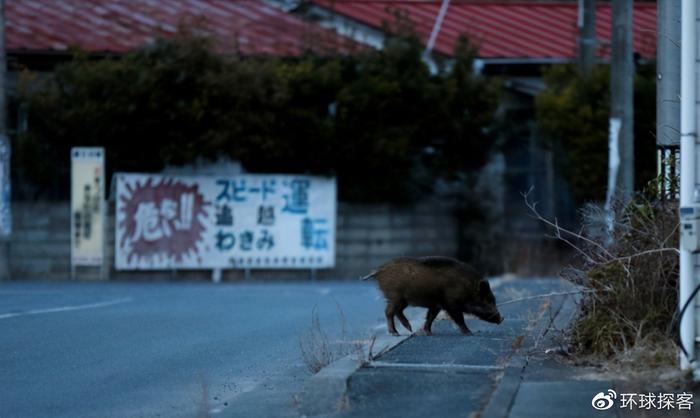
point(668, 74)
point(688, 184)
point(586, 37)
point(668, 91)
point(622, 100)
point(5, 209)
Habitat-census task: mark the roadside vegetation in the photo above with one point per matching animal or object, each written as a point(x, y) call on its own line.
point(627, 266)
point(629, 279)
point(318, 349)
point(629, 318)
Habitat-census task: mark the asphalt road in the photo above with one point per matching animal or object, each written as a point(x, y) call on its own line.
point(163, 349)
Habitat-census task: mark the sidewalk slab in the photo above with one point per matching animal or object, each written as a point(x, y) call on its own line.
point(448, 346)
point(417, 392)
point(446, 373)
point(557, 399)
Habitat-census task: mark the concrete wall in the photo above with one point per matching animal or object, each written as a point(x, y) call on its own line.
point(367, 236)
point(40, 244)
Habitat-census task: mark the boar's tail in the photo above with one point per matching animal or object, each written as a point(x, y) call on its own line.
point(369, 276)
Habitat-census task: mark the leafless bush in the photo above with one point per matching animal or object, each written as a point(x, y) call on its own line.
point(629, 264)
point(318, 350)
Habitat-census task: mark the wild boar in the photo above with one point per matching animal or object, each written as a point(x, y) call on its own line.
point(435, 283)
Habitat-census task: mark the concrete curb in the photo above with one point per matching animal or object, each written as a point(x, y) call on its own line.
point(504, 395)
point(324, 392)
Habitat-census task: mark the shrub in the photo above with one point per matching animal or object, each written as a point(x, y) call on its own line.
point(379, 121)
point(629, 279)
point(633, 281)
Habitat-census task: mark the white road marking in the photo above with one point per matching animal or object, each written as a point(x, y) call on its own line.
point(27, 292)
point(66, 308)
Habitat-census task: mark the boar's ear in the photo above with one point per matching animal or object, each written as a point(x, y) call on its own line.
point(484, 287)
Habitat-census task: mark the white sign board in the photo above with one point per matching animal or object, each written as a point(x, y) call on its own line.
point(87, 206)
point(241, 221)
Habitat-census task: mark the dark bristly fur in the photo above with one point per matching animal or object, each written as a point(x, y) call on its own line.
point(436, 283)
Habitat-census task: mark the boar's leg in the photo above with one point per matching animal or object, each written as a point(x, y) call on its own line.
point(458, 317)
point(403, 319)
point(390, 311)
point(433, 312)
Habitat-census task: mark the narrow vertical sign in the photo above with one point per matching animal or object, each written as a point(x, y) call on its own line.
point(87, 206)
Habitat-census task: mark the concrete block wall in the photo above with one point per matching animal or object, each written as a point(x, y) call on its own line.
point(40, 244)
point(369, 235)
point(366, 236)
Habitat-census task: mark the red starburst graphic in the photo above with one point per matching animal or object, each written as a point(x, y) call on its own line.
point(161, 220)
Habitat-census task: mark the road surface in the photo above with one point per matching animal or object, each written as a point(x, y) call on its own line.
point(80, 349)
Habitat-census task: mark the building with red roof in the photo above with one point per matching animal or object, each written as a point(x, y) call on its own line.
point(502, 30)
point(519, 32)
point(514, 38)
point(248, 27)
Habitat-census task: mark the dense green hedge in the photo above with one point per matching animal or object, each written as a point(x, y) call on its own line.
point(573, 114)
point(379, 120)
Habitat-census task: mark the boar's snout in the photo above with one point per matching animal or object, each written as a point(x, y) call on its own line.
point(495, 318)
point(485, 312)
point(487, 309)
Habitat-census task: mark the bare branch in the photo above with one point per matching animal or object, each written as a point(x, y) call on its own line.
point(575, 292)
point(652, 251)
point(559, 230)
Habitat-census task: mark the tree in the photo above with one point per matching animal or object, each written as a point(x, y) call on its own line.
point(572, 115)
point(378, 120)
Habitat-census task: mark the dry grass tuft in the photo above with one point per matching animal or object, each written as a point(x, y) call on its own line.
point(318, 350)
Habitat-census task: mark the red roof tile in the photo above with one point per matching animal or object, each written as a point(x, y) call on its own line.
point(503, 29)
point(116, 26)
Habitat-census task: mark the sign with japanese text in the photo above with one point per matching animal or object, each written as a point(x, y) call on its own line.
point(242, 221)
point(87, 206)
